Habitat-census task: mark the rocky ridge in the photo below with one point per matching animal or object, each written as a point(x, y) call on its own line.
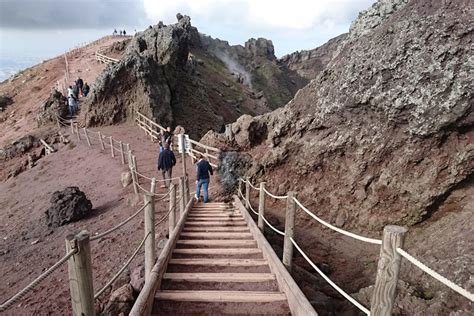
point(383, 135)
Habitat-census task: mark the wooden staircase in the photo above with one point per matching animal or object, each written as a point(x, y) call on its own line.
point(218, 268)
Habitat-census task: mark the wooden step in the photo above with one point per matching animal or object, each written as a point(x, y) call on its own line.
point(220, 262)
point(215, 223)
point(216, 229)
point(219, 243)
point(216, 235)
point(217, 251)
point(213, 219)
point(192, 214)
point(219, 277)
point(221, 296)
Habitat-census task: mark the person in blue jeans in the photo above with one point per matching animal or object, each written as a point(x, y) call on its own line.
point(204, 170)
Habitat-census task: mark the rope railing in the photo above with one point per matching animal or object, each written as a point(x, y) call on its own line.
point(111, 230)
point(15, 298)
point(278, 197)
point(337, 229)
point(115, 277)
point(436, 275)
point(328, 280)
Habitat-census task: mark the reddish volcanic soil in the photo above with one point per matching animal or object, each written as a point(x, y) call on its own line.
point(32, 86)
point(28, 246)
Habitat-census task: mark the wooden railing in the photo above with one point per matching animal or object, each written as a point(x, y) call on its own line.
point(391, 250)
point(153, 129)
point(105, 59)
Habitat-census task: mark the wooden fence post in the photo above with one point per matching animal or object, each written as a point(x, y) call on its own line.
point(150, 232)
point(289, 231)
point(172, 216)
point(72, 126)
point(122, 155)
point(383, 297)
point(261, 207)
point(134, 174)
point(80, 274)
point(87, 137)
point(101, 141)
point(77, 131)
point(247, 193)
point(191, 153)
point(112, 146)
point(183, 157)
point(132, 171)
point(57, 122)
point(182, 203)
point(153, 185)
point(228, 132)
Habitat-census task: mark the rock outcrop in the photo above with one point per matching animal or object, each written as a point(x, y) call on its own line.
point(173, 74)
point(54, 106)
point(309, 63)
point(384, 134)
point(68, 205)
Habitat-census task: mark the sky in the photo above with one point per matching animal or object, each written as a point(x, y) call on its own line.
point(34, 30)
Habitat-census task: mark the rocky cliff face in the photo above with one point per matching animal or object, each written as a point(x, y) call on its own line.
point(174, 74)
point(384, 135)
point(255, 63)
point(309, 63)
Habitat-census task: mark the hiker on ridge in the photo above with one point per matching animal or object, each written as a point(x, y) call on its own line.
point(80, 84)
point(85, 89)
point(204, 170)
point(166, 161)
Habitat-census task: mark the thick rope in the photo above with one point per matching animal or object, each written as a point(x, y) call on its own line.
point(35, 282)
point(274, 229)
point(436, 275)
point(121, 269)
point(167, 214)
point(342, 231)
point(334, 285)
point(119, 225)
point(249, 204)
point(280, 197)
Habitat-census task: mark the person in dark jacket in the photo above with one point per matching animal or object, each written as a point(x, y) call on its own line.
point(204, 170)
point(86, 89)
point(166, 161)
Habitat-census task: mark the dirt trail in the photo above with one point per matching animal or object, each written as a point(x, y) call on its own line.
point(28, 246)
point(32, 86)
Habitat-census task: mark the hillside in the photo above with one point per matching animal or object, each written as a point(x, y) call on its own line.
point(175, 74)
point(383, 135)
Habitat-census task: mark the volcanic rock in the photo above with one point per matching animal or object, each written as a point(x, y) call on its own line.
point(69, 205)
point(5, 101)
point(120, 302)
point(18, 147)
point(54, 106)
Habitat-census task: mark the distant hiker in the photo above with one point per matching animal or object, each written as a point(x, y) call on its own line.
point(85, 89)
point(204, 170)
point(72, 103)
point(166, 161)
point(124, 33)
point(70, 91)
point(115, 32)
point(120, 32)
point(80, 84)
point(75, 91)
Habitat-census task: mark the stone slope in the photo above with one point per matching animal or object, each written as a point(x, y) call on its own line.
point(384, 135)
point(174, 74)
point(309, 63)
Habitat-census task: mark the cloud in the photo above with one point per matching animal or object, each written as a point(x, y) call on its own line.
point(71, 14)
point(295, 15)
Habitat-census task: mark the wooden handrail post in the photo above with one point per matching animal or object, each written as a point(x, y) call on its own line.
point(289, 231)
point(127, 148)
point(101, 141)
point(135, 165)
point(383, 297)
point(183, 157)
point(182, 203)
point(261, 207)
point(112, 146)
point(153, 185)
point(87, 137)
point(191, 153)
point(188, 192)
point(80, 274)
point(77, 131)
point(172, 216)
point(247, 193)
point(122, 155)
point(72, 126)
point(132, 171)
point(150, 232)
